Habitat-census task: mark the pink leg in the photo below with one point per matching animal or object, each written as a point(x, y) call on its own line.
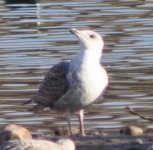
point(81, 121)
point(69, 123)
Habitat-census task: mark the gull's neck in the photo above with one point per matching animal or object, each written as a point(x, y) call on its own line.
point(87, 57)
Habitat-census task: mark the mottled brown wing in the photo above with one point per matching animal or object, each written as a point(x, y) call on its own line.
point(53, 86)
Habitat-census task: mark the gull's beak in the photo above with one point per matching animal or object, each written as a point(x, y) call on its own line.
point(77, 33)
point(74, 31)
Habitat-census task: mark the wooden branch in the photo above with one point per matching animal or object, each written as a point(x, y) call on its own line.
point(139, 115)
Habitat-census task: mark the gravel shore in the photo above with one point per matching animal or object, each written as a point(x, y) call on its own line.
point(115, 141)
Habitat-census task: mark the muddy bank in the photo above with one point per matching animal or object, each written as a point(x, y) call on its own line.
point(127, 138)
point(114, 141)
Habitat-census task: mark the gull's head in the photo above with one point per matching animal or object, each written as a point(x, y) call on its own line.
point(88, 39)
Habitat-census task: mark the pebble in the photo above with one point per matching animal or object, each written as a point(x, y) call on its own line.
point(137, 141)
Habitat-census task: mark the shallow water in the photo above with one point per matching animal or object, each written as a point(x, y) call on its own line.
point(33, 37)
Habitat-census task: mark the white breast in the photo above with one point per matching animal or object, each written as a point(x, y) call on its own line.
point(89, 75)
point(93, 82)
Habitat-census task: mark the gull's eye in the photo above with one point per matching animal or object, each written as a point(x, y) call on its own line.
point(92, 36)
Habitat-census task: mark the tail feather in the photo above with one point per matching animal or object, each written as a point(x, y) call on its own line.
point(35, 108)
point(27, 102)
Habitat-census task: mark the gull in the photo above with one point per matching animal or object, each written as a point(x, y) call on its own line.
point(71, 86)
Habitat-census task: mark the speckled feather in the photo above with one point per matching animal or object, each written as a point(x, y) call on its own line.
point(53, 86)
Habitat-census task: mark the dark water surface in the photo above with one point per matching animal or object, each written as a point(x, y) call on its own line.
point(33, 37)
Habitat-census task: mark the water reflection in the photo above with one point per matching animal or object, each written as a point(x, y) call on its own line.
point(35, 38)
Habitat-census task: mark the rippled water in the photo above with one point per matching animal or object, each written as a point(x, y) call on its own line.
point(33, 37)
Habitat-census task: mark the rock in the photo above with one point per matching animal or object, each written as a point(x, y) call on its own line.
point(132, 131)
point(15, 137)
point(14, 132)
point(65, 131)
point(62, 144)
